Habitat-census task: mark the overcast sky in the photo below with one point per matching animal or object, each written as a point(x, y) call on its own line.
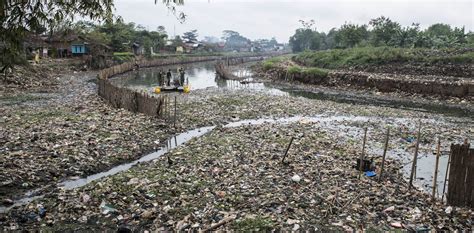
point(279, 18)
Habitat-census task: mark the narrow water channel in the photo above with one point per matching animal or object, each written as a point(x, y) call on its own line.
point(202, 75)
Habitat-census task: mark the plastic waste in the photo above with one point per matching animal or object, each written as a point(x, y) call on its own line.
point(296, 178)
point(41, 211)
point(107, 208)
point(370, 174)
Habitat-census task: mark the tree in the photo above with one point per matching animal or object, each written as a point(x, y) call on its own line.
point(233, 40)
point(190, 36)
point(273, 42)
point(306, 37)
point(18, 18)
point(382, 31)
point(329, 41)
point(161, 30)
point(350, 35)
point(120, 33)
point(439, 30)
point(407, 36)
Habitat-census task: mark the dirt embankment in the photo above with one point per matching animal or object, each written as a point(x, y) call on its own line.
point(454, 70)
point(443, 86)
point(399, 61)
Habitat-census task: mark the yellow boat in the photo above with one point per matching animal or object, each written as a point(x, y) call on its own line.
point(185, 89)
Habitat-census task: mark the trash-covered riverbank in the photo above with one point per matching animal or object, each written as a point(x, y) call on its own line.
point(77, 134)
point(233, 178)
point(66, 132)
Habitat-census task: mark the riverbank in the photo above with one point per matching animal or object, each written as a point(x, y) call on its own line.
point(441, 75)
point(219, 107)
point(82, 208)
point(52, 133)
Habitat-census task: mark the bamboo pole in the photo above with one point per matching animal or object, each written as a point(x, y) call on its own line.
point(446, 175)
point(287, 149)
point(435, 178)
point(415, 157)
point(362, 155)
point(384, 153)
point(174, 123)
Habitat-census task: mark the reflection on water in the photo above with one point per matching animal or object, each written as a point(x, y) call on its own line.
point(200, 76)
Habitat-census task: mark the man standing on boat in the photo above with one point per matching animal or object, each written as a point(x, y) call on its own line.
point(181, 76)
point(161, 78)
point(169, 76)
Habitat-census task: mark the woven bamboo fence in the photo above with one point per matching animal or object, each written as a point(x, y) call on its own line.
point(461, 176)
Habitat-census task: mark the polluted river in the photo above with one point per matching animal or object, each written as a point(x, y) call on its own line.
point(347, 126)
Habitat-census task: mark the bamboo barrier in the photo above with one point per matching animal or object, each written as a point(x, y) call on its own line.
point(461, 176)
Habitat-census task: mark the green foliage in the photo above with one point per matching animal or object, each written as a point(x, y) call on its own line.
point(272, 63)
point(316, 72)
point(190, 36)
point(18, 18)
point(382, 32)
point(253, 224)
point(268, 65)
point(281, 61)
point(233, 40)
point(350, 35)
point(338, 58)
point(304, 39)
point(294, 70)
point(123, 56)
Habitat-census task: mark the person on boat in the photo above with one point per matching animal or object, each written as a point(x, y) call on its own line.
point(161, 78)
point(169, 76)
point(181, 76)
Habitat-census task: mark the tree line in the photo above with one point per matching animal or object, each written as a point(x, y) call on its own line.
point(381, 31)
point(20, 18)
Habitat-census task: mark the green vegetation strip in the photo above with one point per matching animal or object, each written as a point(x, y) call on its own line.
point(337, 58)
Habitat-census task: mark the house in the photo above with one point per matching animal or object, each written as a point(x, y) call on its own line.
point(79, 48)
point(138, 49)
point(37, 44)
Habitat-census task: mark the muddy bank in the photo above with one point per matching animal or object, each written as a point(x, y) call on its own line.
point(458, 70)
point(425, 85)
point(454, 62)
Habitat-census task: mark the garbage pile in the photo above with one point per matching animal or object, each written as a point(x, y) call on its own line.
point(71, 133)
point(234, 179)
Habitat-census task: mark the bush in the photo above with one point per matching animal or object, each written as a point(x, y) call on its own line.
point(316, 72)
point(338, 58)
point(294, 70)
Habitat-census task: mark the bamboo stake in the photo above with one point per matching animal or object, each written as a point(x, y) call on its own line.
point(415, 157)
point(435, 179)
point(384, 153)
point(174, 123)
point(446, 175)
point(362, 155)
point(287, 149)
